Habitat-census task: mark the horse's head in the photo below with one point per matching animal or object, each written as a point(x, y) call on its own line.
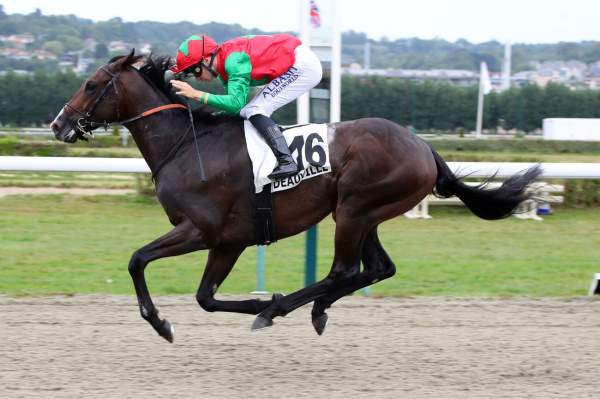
point(96, 103)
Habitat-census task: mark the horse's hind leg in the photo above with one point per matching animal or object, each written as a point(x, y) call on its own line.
point(219, 264)
point(349, 234)
point(184, 238)
point(377, 266)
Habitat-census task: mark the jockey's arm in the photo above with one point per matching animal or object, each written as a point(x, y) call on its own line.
point(238, 70)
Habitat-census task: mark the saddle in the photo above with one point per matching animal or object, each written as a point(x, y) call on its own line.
point(309, 145)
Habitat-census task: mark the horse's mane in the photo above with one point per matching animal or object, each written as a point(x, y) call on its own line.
point(153, 71)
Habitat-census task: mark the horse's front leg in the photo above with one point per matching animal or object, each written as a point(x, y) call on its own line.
point(184, 238)
point(220, 262)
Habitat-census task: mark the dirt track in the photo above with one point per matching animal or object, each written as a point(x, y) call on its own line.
point(98, 346)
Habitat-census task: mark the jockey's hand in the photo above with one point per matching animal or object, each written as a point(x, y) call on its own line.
point(184, 89)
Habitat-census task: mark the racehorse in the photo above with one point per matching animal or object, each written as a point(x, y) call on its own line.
point(379, 170)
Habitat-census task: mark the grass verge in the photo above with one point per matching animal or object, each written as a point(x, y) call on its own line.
point(65, 244)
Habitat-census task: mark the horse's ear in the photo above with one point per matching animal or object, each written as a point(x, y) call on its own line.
point(130, 56)
point(126, 60)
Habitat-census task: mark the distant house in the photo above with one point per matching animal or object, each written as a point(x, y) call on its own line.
point(524, 77)
point(68, 59)
point(119, 46)
point(569, 73)
point(90, 44)
point(18, 41)
point(44, 55)
point(593, 76)
point(144, 48)
point(83, 64)
point(16, 54)
point(17, 72)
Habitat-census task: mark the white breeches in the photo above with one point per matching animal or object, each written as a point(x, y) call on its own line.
point(305, 74)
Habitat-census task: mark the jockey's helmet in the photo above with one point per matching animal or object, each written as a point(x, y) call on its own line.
point(193, 50)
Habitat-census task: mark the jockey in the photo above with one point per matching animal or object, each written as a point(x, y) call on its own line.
point(281, 62)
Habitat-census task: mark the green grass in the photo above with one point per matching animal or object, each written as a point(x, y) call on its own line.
point(65, 244)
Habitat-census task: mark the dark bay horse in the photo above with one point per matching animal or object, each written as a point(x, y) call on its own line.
point(379, 171)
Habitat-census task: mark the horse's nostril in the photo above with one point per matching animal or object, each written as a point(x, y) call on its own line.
point(56, 128)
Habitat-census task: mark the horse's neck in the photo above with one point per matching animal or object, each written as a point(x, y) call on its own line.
point(157, 134)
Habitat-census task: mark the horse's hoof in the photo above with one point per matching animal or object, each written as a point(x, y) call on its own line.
point(261, 322)
point(166, 331)
point(319, 323)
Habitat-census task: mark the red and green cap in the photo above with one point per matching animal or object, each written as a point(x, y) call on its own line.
point(193, 50)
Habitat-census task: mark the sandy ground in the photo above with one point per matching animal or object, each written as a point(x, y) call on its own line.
point(98, 346)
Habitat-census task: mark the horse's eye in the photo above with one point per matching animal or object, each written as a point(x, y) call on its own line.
point(90, 86)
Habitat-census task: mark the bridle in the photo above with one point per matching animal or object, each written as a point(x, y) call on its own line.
point(85, 125)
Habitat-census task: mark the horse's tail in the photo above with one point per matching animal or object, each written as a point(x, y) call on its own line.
point(490, 204)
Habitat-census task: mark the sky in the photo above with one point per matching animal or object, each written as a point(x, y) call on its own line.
point(517, 21)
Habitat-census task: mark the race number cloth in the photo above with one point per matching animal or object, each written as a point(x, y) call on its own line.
point(308, 145)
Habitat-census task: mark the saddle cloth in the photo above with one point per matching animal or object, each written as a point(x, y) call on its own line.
point(308, 145)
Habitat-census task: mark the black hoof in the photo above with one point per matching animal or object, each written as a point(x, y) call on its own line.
point(261, 322)
point(166, 331)
point(320, 322)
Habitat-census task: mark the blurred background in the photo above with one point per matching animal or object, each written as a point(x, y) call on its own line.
point(428, 65)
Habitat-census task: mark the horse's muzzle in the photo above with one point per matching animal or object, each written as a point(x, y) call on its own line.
point(63, 129)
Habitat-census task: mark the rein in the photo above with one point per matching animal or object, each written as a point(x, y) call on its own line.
point(85, 126)
point(144, 114)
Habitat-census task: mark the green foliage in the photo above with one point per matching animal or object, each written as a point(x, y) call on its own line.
point(13, 146)
point(9, 145)
point(36, 99)
point(441, 106)
point(54, 46)
point(582, 193)
point(101, 51)
point(99, 146)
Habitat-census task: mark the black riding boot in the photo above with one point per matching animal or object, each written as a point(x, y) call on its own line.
point(286, 166)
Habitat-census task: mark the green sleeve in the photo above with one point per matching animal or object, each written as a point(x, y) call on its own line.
point(238, 68)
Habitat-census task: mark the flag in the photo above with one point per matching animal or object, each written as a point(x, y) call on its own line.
point(315, 16)
point(484, 79)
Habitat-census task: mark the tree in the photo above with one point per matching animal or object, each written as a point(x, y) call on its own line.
point(101, 51)
point(54, 46)
point(72, 43)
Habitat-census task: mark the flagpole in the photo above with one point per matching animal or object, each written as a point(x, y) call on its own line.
point(336, 71)
point(480, 104)
point(303, 108)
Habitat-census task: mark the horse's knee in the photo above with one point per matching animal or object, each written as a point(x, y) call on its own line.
point(137, 263)
point(206, 302)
